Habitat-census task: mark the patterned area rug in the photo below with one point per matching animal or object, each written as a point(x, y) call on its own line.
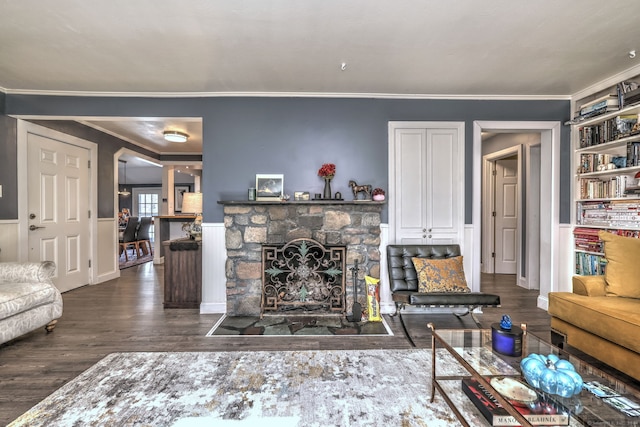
point(286, 388)
point(296, 325)
point(134, 260)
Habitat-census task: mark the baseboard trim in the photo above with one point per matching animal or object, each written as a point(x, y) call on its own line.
point(213, 308)
point(106, 277)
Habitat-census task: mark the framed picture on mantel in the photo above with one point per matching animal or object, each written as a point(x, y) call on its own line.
point(269, 187)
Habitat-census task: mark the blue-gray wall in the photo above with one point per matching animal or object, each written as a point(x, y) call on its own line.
point(8, 167)
point(294, 136)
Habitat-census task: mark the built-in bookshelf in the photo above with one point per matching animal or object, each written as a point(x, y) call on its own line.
point(606, 135)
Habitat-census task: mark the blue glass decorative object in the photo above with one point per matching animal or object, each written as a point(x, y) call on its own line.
point(551, 374)
point(505, 323)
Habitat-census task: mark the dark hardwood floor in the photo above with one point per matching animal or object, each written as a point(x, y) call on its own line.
point(127, 315)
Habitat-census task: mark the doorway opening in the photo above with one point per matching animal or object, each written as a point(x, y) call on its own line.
point(548, 266)
point(511, 206)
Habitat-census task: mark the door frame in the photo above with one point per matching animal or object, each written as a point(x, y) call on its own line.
point(488, 205)
point(549, 196)
point(23, 129)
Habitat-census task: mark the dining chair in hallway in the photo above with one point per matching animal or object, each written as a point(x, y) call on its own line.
point(143, 237)
point(128, 236)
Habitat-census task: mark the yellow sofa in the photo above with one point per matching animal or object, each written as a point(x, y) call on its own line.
point(601, 317)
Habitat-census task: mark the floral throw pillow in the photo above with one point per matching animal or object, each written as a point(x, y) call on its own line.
point(440, 275)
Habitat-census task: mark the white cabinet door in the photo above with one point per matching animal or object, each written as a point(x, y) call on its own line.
point(426, 183)
point(410, 186)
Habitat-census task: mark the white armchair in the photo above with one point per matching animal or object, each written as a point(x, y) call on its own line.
point(28, 298)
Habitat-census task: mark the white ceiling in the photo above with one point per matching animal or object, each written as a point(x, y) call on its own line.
point(542, 48)
point(148, 132)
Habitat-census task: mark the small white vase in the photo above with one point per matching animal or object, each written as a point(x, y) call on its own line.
point(378, 197)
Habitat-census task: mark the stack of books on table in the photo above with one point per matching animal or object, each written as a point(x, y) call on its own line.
point(539, 410)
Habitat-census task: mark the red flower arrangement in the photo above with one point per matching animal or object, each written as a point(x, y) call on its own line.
point(378, 191)
point(328, 170)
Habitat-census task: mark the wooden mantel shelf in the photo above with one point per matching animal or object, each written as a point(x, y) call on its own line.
point(301, 202)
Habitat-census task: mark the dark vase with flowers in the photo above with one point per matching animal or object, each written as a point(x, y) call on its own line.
point(327, 172)
point(327, 187)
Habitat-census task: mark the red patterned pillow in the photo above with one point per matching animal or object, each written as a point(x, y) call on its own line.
point(440, 275)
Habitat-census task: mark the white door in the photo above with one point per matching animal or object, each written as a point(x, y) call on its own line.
point(506, 215)
point(58, 204)
point(426, 183)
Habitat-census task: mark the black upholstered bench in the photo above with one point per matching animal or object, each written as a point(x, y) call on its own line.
point(403, 281)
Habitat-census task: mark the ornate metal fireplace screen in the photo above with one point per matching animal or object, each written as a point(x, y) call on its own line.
point(303, 275)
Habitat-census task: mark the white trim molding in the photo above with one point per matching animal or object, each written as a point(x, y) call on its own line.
point(214, 259)
point(549, 196)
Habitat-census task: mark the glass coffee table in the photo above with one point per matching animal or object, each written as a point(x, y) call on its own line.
point(472, 349)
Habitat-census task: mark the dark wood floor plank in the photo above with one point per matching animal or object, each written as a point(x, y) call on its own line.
point(127, 315)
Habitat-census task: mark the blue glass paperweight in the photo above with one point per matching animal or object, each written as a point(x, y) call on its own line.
point(505, 323)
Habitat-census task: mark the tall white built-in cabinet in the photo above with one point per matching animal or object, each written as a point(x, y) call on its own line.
point(426, 182)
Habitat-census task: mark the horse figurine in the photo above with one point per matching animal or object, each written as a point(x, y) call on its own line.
point(366, 189)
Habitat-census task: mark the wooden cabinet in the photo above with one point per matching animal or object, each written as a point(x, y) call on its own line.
point(182, 273)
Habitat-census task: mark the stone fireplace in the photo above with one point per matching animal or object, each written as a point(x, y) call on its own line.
point(251, 225)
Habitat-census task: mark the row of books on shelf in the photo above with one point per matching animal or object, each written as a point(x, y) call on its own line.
point(592, 233)
point(598, 162)
point(594, 162)
point(609, 130)
point(588, 264)
point(598, 106)
point(586, 239)
point(626, 94)
point(618, 213)
point(604, 188)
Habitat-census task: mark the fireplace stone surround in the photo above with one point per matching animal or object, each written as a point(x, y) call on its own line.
point(251, 224)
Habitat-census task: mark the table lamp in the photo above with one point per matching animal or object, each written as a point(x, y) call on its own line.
point(192, 203)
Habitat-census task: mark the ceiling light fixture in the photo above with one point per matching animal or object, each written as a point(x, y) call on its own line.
point(124, 191)
point(632, 54)
point(175, 136)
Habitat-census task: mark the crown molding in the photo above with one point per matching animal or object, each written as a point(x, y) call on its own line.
point(608, 82)
point(285, 95)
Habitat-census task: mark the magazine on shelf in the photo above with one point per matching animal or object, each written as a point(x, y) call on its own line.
point(538, 409)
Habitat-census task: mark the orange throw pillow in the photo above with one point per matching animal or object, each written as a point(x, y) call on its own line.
point(440, 275)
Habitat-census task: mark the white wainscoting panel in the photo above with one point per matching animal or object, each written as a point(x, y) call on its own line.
point(565, 265)
point(9, 241)
point(387, 305)
point(106, 267)
point(470, 270)
point(214, 258)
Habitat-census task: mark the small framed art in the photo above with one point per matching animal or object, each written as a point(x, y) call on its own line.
point(269, 187)
point(179, 193)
